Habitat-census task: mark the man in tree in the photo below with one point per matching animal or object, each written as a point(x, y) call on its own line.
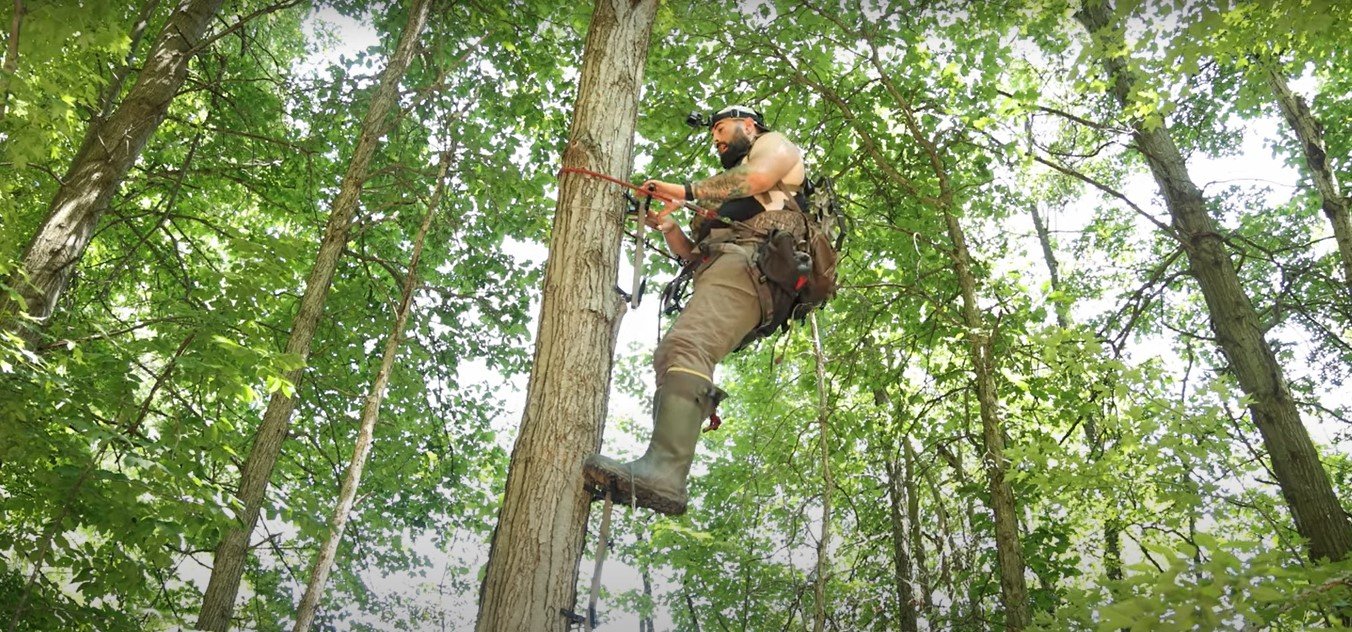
point(731, 303)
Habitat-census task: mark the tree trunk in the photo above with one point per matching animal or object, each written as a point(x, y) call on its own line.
point(906, 610)
point(690, 605)
point(1112, 549)
point(530, 580)
point(1008, 549)
point(231, 553)
point(945, 547)
point(1304, 484)
point(1044, 238)
point(1310, 134)
point(913, 522)
point(828, 484)
point(370, 413)
point(645, 623)
point(109, 149)
point(11, 63)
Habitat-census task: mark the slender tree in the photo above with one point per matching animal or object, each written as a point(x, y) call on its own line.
point(947, 206)
point(231, 553)
point(901, 560)
point(532, 565)
point(1310, 136)
point(370, 414)
point(819, 611)
point(109, 149)
point(1318, 516)
point(1112, 555)
point(913, 522)
point(1009, 550)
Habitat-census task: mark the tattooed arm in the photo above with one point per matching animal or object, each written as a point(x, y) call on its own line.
point(730, 184)
point(771, 158)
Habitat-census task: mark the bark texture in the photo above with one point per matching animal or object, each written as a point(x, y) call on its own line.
point(1008, 549)
point(218, 603)
point(108, 151)
point(370, 414)
point(532, 566)
point(1318, 516)
point(1310, 134)
point(901, 560)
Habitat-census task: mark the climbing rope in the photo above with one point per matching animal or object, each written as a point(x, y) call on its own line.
point(602, 547)
point(695, 208)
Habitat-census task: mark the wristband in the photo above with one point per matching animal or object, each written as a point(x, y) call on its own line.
point(689, 192)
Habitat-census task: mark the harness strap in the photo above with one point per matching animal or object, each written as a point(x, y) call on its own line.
point(807, 235)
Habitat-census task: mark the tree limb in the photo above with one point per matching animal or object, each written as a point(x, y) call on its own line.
point(239, 24)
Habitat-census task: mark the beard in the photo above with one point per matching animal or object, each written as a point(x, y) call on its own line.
point(738, 148)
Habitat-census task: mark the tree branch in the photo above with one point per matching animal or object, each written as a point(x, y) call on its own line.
point(1066, 115)
point(109, 99)
point(212, 39)
point(1168, 230)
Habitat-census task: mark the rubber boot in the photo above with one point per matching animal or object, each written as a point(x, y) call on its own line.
point(657, 480)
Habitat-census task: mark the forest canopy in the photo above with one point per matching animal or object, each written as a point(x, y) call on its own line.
point(1084, 369)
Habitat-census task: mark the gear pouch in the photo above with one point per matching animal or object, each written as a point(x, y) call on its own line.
point(782, 263)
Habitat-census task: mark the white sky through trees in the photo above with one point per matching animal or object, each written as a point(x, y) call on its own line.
point(1253, 168)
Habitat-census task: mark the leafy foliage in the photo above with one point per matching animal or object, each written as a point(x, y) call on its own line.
point(1145, 499)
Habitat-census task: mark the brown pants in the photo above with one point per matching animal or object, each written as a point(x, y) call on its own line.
point(724, 307)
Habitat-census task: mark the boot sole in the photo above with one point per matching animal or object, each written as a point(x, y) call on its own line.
point(619, 486)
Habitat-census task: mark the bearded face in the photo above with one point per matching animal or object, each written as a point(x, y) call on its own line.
point(734, 148)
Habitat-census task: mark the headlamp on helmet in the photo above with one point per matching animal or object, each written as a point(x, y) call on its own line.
point(698, 119)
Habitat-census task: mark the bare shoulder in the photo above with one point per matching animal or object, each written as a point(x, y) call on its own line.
point(773, 144)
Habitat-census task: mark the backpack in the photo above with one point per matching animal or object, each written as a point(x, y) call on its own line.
point(802, 271)
point(826, 230)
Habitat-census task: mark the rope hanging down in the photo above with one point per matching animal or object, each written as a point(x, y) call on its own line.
point(602, 547)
